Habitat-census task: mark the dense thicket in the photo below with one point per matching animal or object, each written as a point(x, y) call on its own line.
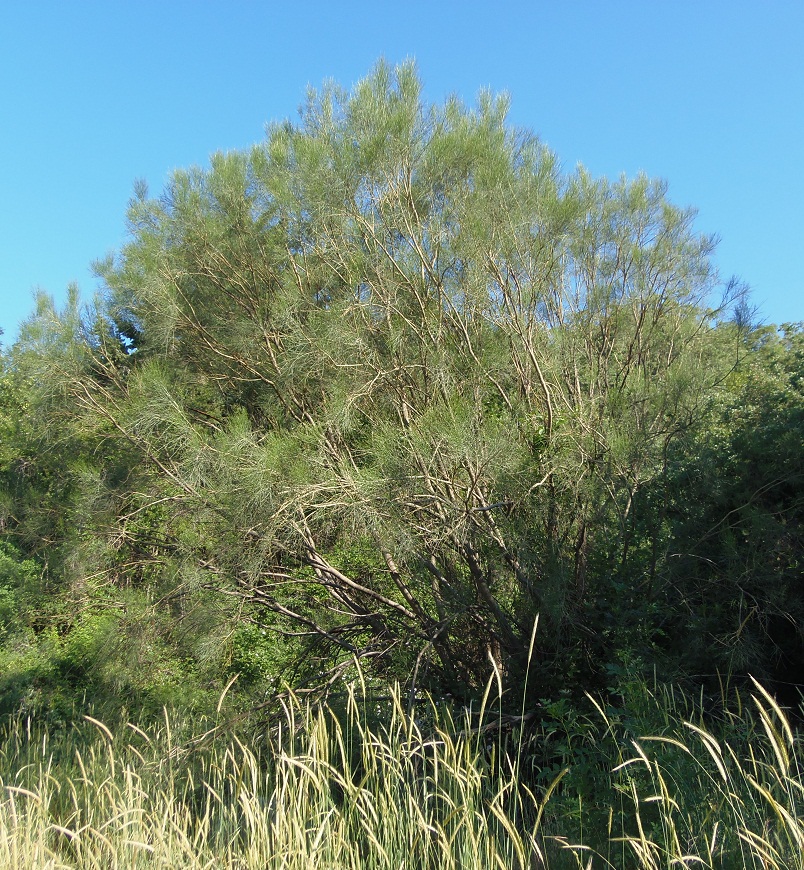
point(388, 387)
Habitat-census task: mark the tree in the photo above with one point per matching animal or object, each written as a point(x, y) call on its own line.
point(737, 539)
point(399, 384)
point(89, 604)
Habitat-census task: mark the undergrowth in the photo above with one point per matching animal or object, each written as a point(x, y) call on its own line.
point(372, 783)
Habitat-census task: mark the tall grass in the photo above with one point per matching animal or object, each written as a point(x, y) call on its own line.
point(364, 784)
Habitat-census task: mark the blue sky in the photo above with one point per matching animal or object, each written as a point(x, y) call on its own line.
point(708, 95)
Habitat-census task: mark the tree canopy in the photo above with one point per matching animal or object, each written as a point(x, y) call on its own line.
point(393, 385)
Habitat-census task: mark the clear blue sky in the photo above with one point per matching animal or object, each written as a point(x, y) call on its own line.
point(707, 94)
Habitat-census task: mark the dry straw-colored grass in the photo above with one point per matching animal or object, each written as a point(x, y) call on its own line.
point(329, 790)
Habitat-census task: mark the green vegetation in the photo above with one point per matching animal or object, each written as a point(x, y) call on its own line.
point(370, 401)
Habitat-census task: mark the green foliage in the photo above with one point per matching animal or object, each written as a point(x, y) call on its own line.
point(378, 290)
point(737, 537)
point(389, 385)
point(17, 577)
